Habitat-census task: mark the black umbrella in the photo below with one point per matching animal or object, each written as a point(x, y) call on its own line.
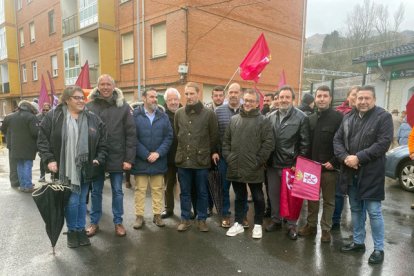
point(216, 189)
point(51, 200)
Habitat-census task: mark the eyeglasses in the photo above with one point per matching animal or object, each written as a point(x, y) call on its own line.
point(78, 98)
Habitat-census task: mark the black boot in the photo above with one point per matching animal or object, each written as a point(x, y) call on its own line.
point(83, 238)
point(73, 240)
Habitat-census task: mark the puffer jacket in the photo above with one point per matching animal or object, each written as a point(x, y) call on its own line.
point(197, 133)
point(247, 144)
point(292, 137)
point(155, 137)
point(403, 132)
point(49, 141)
point(20, 129)
point(120, 126)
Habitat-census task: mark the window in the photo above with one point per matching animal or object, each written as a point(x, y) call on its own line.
point(21, 32)
point(19, 4)
point(127, 48)
point(54, 62)
point(51, 16)
point(71, 60)
point(32, 32)
point(24, 73)
point(159, 40)
point(2, 12)
point(3, 43)
point(34, 69)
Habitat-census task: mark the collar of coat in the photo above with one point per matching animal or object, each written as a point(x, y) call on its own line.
point(194, 108)
point(117, 96)
point(252, 113)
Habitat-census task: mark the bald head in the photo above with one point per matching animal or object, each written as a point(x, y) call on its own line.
point(234, 95)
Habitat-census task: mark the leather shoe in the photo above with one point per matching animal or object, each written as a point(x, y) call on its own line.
point(377, 257)
point(353, 247)
point(336, 226)
point(92, 230)
point(120, 230)
point(166, 214)
point(293, 235)
point(273, 226)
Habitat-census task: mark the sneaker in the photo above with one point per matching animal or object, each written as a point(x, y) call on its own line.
point(326, 236)
point(225, 222)
point(158, 221)
point(235, 229)
point(42, 179)
point(166, 214)
point(202, 226)
point(257, 231)
point(73, 240)
point(307, 230)
point(183, 226)
point(139, 221)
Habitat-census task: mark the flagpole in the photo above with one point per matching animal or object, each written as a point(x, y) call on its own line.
point(232, 77)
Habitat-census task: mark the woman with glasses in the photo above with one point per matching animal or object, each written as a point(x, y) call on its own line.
point(72, 144)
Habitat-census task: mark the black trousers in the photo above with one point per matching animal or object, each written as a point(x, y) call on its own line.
point(240, 190)
point(170, 180)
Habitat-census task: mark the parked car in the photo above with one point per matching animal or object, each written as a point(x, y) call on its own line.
point(400, 166)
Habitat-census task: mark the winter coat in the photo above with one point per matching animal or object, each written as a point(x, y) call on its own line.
point(344, 108)
point(306, 101)
point(369, 139)
point(120, 126)
point(403, 133)
point(291, 136)
point(20, 129)
point(197, 134)
point(49, 141)
point(173, 149)
point(247, 144)
point(323, 126)
point(155, 137)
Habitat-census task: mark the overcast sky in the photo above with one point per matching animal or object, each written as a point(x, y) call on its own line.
point(324, 16)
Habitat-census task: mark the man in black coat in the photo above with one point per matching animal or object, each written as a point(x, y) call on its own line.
point(109, 104)
point(323, 126)
point(21, 129)
point(291, 135)
point(360, 145)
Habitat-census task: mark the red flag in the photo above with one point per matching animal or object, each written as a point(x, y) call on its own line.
point(256, 60)
point(83, 78)
point(43, 97)
point(307, 179)
point(290, 206)
point(53, 97)
point(261, 97)
point(282, 79)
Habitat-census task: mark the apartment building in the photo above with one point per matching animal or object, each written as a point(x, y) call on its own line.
point(177, 41)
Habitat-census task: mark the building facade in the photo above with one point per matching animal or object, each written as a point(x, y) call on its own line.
point(177, 41)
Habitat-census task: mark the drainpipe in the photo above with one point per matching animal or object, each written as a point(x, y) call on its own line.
point(143, 42)
point(302, 47)
point(387, 85)
point(138, 54)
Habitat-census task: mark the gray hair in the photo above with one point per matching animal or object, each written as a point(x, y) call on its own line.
point(171, 90)
point(111, 79)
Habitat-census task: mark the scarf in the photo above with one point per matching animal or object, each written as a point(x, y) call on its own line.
point(74, 151)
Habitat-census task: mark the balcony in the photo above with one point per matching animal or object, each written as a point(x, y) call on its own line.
point(71, 74)
point(85, 17)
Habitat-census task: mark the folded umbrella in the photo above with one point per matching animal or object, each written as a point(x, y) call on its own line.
point(51, 200)
point(216, 189)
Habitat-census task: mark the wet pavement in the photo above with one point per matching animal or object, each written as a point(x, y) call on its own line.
point(26, 250)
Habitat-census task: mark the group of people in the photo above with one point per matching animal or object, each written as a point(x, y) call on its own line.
point(79, 142)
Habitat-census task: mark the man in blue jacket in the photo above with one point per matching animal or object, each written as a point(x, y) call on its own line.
point(154, 138)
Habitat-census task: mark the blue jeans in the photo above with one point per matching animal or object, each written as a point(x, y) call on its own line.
point(198, 178)
point(75, 211)
point(117, 198)
point(358, 214)
point(24, 173)
point(222, 167)
point(339, 203)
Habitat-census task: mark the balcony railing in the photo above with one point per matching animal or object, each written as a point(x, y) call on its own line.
point(71, 74)
point(84, 18)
